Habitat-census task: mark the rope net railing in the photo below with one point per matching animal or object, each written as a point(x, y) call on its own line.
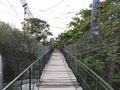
point(102, 58)
point(86, 77)
point(101, 53)
point(29, 78)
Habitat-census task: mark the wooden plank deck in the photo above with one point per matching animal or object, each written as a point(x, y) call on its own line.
point(57, 75)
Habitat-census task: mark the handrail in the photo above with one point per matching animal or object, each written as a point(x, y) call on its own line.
point(12, 82)
point(88, 70)
point(93, 73)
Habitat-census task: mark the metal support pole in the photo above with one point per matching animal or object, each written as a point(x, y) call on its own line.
point(94, 15)
point(30, 79)
point(21, 84)
point(39, 71)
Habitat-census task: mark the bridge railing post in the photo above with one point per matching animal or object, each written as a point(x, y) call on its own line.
point(30, 78)
point(39, 70)
point(21, 83)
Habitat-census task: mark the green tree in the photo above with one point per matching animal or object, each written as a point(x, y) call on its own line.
point(78, 25)
point(37, 28)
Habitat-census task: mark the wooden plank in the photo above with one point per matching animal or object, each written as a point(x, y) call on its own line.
point(57, 75)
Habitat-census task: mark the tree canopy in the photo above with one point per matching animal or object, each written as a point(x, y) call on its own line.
point(78, 25)
point(37, 28)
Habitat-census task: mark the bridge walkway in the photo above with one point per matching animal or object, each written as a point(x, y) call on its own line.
point(57, 75)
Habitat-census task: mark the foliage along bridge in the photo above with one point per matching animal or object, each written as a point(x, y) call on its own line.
point(57, 70)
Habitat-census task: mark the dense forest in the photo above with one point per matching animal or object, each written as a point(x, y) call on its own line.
point(19, 48)
point(101, 53)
